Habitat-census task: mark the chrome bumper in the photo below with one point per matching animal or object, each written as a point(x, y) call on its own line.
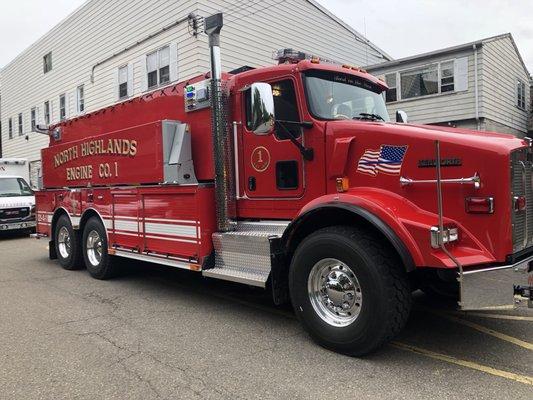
point(492, 288)
point(7, 226)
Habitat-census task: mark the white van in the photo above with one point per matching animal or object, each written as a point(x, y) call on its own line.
point(17, 200)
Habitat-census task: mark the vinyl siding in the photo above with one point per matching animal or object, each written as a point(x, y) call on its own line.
point(95, 31)
point(293, 24)
point(501, 69)
point(101, 28)
point(437, 108)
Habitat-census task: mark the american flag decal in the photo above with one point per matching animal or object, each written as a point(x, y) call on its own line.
point(388, 160)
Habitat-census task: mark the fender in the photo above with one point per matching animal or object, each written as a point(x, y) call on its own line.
point(377, 207)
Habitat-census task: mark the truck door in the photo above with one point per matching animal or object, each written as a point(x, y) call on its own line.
point(273, 166)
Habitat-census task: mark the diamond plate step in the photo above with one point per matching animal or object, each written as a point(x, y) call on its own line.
point(244, 255)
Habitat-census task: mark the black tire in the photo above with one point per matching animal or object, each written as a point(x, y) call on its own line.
point(66, 241)
point(99, 264)
point(386, 295)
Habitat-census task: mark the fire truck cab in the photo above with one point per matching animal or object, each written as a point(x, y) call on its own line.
point(293, 179)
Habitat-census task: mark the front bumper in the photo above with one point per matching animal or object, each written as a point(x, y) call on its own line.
point(11, 226)
point(497, 287)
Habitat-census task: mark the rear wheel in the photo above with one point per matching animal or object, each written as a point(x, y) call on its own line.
point(67, 246)
point(349, 290)
point(95, 254)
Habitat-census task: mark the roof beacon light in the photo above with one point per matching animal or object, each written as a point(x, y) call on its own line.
point(291, 56)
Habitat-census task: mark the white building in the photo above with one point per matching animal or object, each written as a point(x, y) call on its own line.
point(107, 51)
point(478, 85)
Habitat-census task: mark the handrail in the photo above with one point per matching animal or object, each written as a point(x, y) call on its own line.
point(473, 180)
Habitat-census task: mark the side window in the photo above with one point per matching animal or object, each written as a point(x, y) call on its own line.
point(285, 107)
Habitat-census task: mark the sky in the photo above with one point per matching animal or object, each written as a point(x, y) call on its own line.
point(400, 28)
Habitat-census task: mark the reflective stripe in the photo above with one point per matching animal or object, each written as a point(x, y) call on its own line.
point(131, 226)
point(174, 221)
point(171, 229)
point(171, 239)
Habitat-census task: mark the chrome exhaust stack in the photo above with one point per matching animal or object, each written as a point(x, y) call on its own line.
point(222, 150)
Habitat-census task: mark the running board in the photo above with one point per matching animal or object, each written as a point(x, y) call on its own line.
point(244, 255)
point(155, 259)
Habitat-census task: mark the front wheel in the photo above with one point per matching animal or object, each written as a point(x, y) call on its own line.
point(95, 252)
point(349, 290)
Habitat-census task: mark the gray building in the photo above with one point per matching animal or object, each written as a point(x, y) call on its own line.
point(478, 85)
point(111, 50)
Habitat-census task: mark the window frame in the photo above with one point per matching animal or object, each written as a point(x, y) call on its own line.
point(422, 66)
point(21, 124)
point(126, 68)
point(33, 119)
point(80, 99)
point(520, 94)
point(63, 110)
point(159, 67)
point(47, 112)
point(47, 66)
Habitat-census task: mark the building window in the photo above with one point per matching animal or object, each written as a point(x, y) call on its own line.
point(123, 82)
point(521, 94)
point(392, 92)
point(21, 127)
point(62, 107)
point(446, 76)
point(10, 124)
point(47, 113)
point(420, 82)
point(47, 62)
point(80, 91)
point(158, 67)
point(33, 118)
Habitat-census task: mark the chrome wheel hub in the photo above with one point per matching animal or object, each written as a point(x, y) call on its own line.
point(94, 248)
point(64, 242)
point(334, 292)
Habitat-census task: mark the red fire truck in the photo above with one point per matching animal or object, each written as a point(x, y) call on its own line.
point(292, 178)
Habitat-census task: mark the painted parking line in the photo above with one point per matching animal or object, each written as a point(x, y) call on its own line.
point(528, 380)
point(481, 328)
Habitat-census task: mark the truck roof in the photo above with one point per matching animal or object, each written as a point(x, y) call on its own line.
point(174, 91)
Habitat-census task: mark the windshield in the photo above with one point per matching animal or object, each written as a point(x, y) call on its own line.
point(333, 95)
point(13, 187)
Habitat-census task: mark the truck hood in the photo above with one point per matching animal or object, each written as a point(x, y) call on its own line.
point(19, 201)
point(483, 140)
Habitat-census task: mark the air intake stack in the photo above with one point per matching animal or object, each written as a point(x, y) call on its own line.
point(222, 150)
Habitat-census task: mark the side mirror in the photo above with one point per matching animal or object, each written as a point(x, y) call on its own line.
point(401, 116)
point(262, 116)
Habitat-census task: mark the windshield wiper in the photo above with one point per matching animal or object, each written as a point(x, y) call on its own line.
point(373, 117)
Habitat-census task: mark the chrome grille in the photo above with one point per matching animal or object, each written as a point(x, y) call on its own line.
point(14, 213)
point(521, 185)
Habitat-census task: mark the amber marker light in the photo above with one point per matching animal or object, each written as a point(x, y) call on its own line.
point(343, 184)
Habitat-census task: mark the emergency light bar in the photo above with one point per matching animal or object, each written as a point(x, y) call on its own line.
point(291, 56)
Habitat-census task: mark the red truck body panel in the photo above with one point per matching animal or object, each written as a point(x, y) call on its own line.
point(125, 168)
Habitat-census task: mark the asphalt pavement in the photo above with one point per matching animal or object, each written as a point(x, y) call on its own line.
point(160, 333)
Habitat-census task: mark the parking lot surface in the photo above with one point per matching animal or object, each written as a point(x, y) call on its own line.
point(162, 333)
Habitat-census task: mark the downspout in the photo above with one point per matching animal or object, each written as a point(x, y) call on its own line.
point(476, 88)
point(224, 196)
